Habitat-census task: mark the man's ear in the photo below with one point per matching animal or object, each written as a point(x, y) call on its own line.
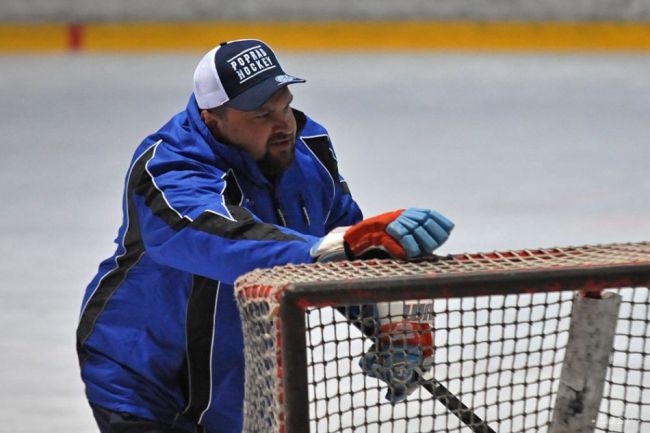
point(212, 121)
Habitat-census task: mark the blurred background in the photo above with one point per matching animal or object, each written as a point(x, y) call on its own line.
point(524, 121)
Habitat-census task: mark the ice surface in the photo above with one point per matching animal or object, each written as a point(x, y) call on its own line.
point(520, 151)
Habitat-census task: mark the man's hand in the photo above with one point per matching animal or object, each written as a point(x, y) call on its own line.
point(400, 234)
point(402, 355)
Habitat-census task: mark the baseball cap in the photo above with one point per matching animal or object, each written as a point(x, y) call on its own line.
point(241, 74)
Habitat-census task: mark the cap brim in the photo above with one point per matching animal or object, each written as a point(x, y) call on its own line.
point(257, 95)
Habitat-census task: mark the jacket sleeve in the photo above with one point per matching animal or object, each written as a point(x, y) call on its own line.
point(185, 222)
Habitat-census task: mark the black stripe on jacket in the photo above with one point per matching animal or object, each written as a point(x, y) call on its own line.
point(244, 226)
point(199, 333)
point(320, 146)
point(109, 283)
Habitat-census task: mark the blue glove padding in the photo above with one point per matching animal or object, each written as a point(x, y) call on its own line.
point(400, 367)
point(420, 231)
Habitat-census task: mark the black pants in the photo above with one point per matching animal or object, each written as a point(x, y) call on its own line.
point(115, 422)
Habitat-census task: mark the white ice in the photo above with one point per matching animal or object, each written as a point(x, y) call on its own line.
point(519, 150)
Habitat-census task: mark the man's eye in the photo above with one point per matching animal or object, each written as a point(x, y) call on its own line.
point(262, 116)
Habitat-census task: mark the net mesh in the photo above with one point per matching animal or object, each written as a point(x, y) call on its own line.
point(500, 355)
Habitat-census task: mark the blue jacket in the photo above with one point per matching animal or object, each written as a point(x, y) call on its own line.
point(159, 334)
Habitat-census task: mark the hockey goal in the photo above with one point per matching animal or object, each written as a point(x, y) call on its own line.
point(524, 341)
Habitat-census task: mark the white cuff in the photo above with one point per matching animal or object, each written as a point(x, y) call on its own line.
point(330, 247)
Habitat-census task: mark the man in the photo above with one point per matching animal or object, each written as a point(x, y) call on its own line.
point(237, 181)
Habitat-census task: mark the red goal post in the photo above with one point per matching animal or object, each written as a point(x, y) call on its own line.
point(301, 355)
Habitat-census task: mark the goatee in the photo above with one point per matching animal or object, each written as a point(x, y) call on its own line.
point(273, 165)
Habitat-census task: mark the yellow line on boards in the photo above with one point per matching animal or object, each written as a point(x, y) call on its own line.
point(16, 38)
point(335, 36)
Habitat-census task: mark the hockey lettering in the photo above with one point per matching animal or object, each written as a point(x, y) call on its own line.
point(418, 311)
point(250, 63)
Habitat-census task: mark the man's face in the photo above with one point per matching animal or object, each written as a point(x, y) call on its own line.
point(268, 134)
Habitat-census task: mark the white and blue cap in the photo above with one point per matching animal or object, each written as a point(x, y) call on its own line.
point(241, 74)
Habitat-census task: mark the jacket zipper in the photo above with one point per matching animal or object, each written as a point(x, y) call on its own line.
point(305, 215)
point(278, 209)
point(280, 214)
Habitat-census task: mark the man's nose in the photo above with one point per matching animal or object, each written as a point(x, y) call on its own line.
point(281, 123)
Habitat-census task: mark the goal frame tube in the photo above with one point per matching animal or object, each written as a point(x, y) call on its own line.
point(297, 298)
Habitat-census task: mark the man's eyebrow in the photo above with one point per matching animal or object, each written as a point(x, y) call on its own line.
point(260, 110)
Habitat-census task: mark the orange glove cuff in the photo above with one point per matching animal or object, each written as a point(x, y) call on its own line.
point(371, 234)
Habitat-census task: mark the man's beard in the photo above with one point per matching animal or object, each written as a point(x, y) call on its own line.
point(274, 164)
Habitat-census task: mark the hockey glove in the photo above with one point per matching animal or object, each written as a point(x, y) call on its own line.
point(399, 234)
point(402, 356)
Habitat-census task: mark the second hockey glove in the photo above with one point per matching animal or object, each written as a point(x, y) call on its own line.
point(402, 355)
